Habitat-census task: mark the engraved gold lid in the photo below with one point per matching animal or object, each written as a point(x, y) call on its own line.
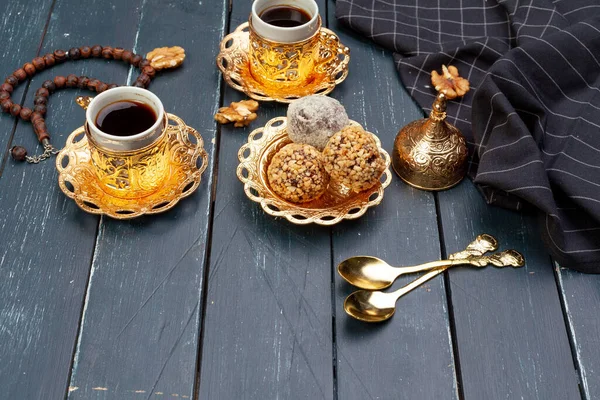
point(431, 153)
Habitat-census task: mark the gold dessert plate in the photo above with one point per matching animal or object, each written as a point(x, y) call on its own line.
point(233, 61)
point(78, 180)
point(336, 204)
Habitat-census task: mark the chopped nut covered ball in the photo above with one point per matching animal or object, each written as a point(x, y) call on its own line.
point(166, 57)
point(242, 113)
point(353, 159)
point(296, 173)
point(450, 83)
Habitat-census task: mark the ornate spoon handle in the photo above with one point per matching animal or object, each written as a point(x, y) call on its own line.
point(482, 244)
point(505, 258)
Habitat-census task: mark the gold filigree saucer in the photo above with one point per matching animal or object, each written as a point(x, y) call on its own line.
point(233, 61)
point(336, 204)
point(78, 180)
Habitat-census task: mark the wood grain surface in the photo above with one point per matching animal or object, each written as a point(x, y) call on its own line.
point(510, 331)
point(267, 328)
point(580, 295)
point(215, 299)
point(47, 242)
point(399, 358)
point(149, 272)
point(22, 28)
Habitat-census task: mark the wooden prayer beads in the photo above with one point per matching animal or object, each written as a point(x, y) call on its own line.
point(40, 100)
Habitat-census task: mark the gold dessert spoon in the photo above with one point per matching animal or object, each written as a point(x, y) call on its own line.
point(371, 273)
point(377, 306)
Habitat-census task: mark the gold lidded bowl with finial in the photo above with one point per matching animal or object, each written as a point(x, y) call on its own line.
point(430, 153)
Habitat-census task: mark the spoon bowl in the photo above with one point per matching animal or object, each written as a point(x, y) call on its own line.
point(372, 273)
point(367, 272)
point(370, 306)
point(377, 306)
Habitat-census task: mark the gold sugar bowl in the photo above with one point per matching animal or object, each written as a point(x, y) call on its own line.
point(431, 153)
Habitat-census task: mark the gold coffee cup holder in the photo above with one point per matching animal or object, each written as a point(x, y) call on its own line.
point(331, 67)
point(77, 177)
point(336, 204)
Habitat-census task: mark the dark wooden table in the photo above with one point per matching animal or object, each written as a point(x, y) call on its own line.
point(217, 300)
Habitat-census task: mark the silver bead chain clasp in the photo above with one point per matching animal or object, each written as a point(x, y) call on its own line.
point(49, 151)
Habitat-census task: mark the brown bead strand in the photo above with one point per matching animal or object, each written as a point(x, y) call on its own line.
point(40, 101)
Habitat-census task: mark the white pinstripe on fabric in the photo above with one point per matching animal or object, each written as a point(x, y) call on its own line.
point(534, 49)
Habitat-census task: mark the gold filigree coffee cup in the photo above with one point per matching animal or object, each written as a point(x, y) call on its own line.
point(131, 166)
point(284, 56)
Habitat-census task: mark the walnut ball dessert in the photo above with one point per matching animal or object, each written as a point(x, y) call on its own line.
point(296, 173)
point(353, 160)
point(314, 119)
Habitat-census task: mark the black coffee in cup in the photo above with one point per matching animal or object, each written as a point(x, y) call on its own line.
point(285, 16)
point(125, 118)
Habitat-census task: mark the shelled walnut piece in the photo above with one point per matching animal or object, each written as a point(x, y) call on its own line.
point(450, 83)
point(242, 113)
point(166, 57)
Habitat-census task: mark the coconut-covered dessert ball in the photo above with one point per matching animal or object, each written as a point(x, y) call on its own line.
point(314, 119)
point(353, 160)
point(296, 173)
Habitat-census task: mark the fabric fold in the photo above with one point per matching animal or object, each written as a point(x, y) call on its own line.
point(532, 118)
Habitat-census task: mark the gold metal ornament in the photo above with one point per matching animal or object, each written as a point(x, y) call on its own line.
point(367, 272)
point(430, 153)
point(184, 162)
point(282, 72)
point(336, 204)
point(83, 101)
point(370, 272)
point(132, 174)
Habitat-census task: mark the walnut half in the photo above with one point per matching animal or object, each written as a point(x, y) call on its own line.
point(242, 113)
point(166, 57)
point(449, 83)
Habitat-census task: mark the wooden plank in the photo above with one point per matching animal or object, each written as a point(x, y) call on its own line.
point(580, 296)
point(22, 27)
point(141, 325)
point(47, 242)
point(411, 355)
point(267, 329)
point(510, 332)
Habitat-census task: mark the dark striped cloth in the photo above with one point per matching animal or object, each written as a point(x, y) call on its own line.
point(533, 119)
